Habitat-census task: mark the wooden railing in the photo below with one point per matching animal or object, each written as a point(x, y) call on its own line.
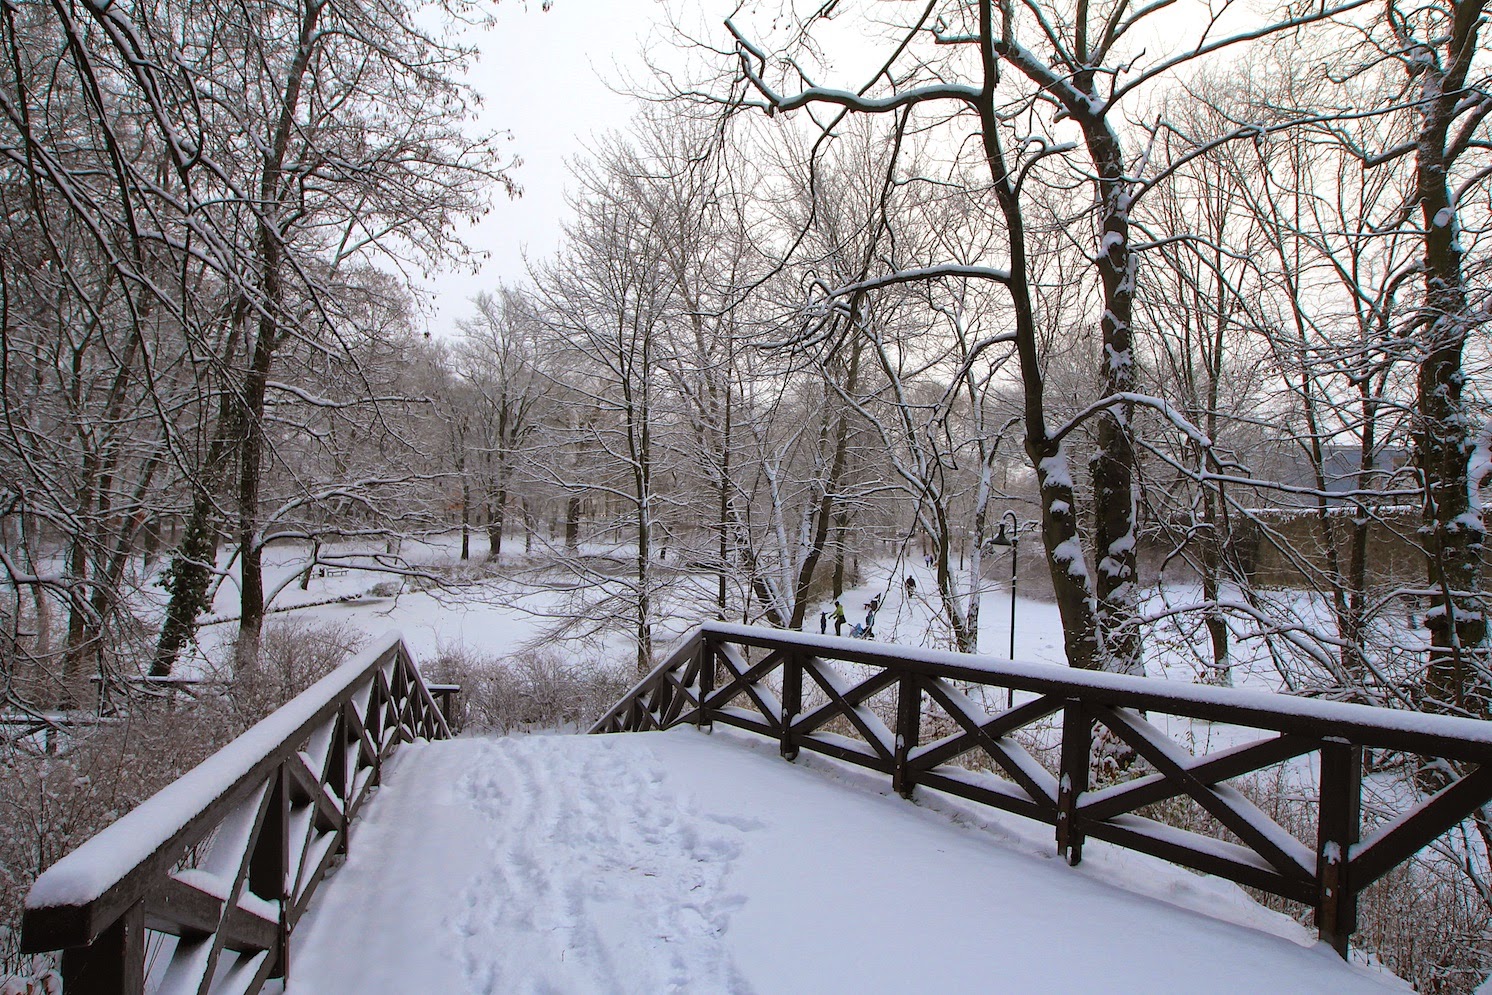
point(206, 879)
point(714, 676)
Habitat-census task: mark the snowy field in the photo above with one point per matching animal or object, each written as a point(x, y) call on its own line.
point(679, 861)
point(500, 616)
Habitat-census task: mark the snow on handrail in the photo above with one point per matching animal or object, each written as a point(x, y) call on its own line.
point(104, 860)
point(228, 855)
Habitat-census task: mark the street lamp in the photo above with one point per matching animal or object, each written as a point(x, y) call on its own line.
point(1013, 540)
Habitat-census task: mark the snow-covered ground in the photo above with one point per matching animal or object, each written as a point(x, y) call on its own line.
point(688, 862)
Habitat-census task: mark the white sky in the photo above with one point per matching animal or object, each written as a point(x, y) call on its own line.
point(541, 77)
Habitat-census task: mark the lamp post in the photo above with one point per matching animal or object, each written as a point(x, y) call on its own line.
point(1013, 540)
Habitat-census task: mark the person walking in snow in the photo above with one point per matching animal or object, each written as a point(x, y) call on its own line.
point(911, 586)
point(870, 623)
point(823, 622)
point(838, 617)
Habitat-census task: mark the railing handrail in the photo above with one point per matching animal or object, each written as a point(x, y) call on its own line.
point(1371, 725)
point(708, 680)
point(87, 892)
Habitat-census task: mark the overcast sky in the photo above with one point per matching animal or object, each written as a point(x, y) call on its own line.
point(542, 77)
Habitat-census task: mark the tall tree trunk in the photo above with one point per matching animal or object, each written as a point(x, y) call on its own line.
point(191, 570)
point(465, 512)
point(250, 476)
point(823, 514)
point(1059, 525)
point(572, 522)
point(496, 513)
point(1113, 466)
point(1454, 532)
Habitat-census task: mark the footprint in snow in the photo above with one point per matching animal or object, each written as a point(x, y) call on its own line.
point(599, 878)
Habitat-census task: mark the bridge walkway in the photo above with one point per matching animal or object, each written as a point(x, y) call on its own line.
point(680, 861)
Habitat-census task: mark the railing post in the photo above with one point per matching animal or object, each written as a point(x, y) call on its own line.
point(1337, 826)
point(339, 776)
point(792, 702)
point(706, 682)
point(908, 731)
point(113, 964)
point(269, 866)
point(447, 700)
point(373, 726)
point(1077, 744)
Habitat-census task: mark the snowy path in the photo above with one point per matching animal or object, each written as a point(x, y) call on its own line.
point(680, 862)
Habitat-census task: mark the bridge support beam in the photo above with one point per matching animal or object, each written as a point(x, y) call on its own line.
point(908, 732)
point(114, 964)
point(792, 703)
point(1337, 828)
point(1077, 744)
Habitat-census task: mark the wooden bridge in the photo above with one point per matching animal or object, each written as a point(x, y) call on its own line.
point(215, 872)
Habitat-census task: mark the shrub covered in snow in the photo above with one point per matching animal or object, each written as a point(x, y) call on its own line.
point(532, 690)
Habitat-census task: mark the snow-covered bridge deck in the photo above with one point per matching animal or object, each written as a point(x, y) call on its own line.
point(681, 861)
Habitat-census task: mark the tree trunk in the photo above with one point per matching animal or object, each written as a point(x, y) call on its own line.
point(496, 512)
point(572, 522)
point(1453, 529)
point(1113, 466)
point(1059, 526)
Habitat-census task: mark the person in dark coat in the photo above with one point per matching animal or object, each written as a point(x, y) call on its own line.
point(911, 586)
point(823, 622)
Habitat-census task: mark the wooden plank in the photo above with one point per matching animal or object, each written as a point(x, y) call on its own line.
point(323, 851)
point(850, 709)
point(745, 680)
point(741, 720)
point(839, 704)
point(681, 699)
point(908, 731)
point(1401, 839)
point(1338, 822)
point(1147, 836)
point(1077, 743)
point(305, 789)
point(1013, 759)
point(180, 909)
point(1003, 724)
point(1209, 769)
point(706, 683)
point(856, 757)
point(114, 964)
point(1226, 805)
point(948, 781)
point(792, 704)
point(269, 865)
